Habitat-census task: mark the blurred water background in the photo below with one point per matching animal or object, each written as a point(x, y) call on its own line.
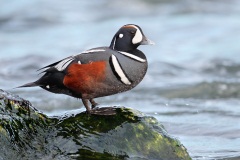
point(193, 82)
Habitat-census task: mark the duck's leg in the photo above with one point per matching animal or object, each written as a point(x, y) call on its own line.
point(94, 104)
point(99, 111)
point(86, 104)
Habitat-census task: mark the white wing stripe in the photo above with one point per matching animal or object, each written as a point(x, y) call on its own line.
point(93, 50)
point(63, 64)
point(133, 56)
point(119, 71)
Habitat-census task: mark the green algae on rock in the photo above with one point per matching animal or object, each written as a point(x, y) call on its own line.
point(27, 134)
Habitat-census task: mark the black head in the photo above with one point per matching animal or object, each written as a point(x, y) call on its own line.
point(128, 38)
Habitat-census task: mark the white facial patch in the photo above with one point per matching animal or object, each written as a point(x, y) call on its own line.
point(48, 87)
point(119, 71)
point(138, 36)
point(120, 35)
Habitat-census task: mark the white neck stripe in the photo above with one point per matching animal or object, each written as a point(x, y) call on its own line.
point(133, 56)
point(114, 43)
point(119, 70)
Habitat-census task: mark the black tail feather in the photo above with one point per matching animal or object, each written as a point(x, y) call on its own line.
point(31, 84)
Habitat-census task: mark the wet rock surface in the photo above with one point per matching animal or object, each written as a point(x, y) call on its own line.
point(25, 133)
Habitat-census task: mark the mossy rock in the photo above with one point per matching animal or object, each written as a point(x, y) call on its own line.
point(26, 133)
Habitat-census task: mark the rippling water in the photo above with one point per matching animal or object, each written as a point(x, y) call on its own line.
point(193, 82)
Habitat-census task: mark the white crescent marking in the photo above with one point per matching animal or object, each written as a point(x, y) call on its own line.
point(138, 35)
point(119, 71)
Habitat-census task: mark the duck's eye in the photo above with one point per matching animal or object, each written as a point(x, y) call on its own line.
point(132, 32)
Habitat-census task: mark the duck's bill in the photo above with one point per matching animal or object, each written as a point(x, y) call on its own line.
point(147, 41)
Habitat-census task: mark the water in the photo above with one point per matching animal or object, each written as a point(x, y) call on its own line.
point(192, 85)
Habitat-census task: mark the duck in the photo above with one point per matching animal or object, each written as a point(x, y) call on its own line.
point(99, 72)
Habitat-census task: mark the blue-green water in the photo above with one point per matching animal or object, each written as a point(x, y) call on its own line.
point(193, 82)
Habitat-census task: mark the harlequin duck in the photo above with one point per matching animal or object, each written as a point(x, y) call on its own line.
point(99, 71)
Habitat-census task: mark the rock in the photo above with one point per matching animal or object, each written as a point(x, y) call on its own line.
point(26, 133)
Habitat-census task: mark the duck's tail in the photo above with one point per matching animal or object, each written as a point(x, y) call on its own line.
point(31, 84)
